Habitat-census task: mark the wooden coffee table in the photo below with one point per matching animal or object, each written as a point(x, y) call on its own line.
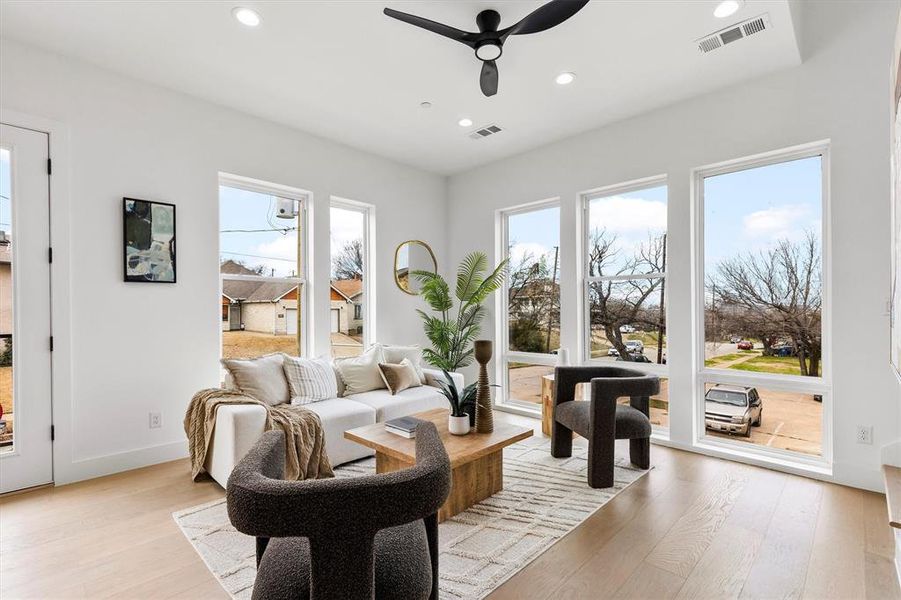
point(477, 459)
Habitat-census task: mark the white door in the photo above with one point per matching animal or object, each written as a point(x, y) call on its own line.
point(336, 320)
point(291, 316)
point(26, 456)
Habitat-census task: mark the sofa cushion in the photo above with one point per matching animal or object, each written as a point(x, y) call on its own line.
point(262, 378)
point(631, 423)
point(361, 373)
point(399, 377)
point(337, 416)
point(405, 403)
point(396, 354)
point(310, 379)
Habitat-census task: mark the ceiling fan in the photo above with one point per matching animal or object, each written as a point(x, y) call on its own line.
point(488, 43)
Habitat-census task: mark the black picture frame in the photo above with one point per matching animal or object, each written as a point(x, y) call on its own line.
point(148, 254)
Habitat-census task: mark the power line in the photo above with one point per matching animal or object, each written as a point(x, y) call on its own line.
point(291, 260)
point(279, 230)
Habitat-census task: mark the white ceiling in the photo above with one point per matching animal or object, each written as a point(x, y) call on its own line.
point(344, 71)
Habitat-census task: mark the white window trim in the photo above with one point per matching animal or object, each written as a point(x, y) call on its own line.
point(304, 297)
point(502, 400)
point(369, 264)
point(792, 383)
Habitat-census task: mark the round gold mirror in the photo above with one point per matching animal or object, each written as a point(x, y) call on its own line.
point(412, 255)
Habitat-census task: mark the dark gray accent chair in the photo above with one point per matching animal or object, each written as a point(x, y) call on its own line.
point(366, 537)
point(602, 420)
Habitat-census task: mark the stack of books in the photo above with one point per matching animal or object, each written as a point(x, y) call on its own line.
point(404, 426)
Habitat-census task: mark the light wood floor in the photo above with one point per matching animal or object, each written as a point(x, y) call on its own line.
point(694, 527)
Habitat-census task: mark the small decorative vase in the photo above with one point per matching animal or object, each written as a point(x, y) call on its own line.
point(484, 412)
point(458, 425)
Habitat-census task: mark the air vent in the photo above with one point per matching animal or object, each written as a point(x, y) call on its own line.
point(734, 33)
point(483, 132)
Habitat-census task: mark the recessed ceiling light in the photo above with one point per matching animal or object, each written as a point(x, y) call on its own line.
point(565, 78)
point(726, 8)
point(425, 104)
point(464, 122)
point(246, 16)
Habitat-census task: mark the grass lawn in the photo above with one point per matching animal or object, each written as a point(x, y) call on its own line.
point(248, 344)
point(724, 358)
point(781, 365)
point(6, 389)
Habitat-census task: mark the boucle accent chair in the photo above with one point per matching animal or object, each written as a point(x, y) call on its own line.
point(366, 537)
point(603, 420)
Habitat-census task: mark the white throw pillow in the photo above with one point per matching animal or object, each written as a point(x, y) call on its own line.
point(262, 378)
point(361, 373)
point(310, 379)
point(396, 354)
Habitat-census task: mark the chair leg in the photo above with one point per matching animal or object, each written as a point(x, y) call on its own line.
point(640, 452)
point(561, 441)
point(601, 456)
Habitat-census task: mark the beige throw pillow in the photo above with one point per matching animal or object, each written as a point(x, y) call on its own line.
point(262, 378)
point(361, 373)
point(310, 379)
point(395, 354)
point(399, 377)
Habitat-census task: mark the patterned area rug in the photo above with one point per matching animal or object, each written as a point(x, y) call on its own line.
point(542, 500)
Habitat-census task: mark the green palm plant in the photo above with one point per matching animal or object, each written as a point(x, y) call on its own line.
point(452, 335)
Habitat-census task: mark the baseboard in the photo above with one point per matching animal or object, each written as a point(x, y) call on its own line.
point(109, 464)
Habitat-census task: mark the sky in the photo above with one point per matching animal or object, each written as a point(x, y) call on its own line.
point(5, 214)
point(272, 243)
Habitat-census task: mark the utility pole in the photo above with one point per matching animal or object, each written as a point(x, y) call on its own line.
point(550, 319)
point(662, 316)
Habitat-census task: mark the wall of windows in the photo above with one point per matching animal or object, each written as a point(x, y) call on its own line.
point(624, 271)
point(763, 357)
point(349, 277)
point(529, 304)
point(262, 258)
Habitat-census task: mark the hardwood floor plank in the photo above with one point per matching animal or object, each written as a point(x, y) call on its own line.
point(649, 583)
point(722, 570)
point(881, 578)
point(837, 562)
point(880, 537)
point(679, 551)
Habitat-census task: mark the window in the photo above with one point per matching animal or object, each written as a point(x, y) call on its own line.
point(530, 324)
point(763, 363)
point(625, 280)
point(262, 248)
point(350, 268)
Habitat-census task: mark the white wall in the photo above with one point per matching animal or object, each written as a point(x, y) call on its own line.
point(841, 92)
point(129, 349)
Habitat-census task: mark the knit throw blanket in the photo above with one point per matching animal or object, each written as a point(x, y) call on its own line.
point(305, 456)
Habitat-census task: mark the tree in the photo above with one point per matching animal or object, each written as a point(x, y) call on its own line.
point(348, 263)
point(533, 303)
point(617, 302)
point(779, 292)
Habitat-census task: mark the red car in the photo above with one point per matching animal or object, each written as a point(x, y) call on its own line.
point(745, 345)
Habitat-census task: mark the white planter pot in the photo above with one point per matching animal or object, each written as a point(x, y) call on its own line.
point(458, 425)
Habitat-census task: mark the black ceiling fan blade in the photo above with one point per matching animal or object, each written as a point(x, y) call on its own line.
point(488, 78)
point(550, 15)
point(440, 28)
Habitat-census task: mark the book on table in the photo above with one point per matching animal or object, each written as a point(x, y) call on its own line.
point(403, 426)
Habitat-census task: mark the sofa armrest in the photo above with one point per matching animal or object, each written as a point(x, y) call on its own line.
point(434, 375)
point(237, 429)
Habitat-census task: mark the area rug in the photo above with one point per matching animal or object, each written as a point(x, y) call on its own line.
point(543, 499)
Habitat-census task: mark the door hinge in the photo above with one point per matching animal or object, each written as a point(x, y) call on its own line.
point(52, 433)
point(50, 254)
point(51, 343)
point(49, 167)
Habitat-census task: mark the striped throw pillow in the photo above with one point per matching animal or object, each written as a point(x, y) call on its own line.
point(310, 379)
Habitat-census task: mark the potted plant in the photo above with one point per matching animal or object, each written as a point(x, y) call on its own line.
point(458, 420)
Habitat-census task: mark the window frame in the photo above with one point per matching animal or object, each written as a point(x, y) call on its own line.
point(702, 375)
point(369, 300)
point(305, 295)
point(502, 324)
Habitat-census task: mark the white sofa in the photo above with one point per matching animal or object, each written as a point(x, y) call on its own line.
point(239, 426)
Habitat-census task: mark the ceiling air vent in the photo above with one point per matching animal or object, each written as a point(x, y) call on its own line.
point(733, 33)
point(483, 132)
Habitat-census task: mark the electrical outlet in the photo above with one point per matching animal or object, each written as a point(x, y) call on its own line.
point(156, 420)
point(864, 434)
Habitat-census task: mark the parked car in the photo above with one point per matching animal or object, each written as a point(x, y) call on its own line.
point(783, 350)
point(627, 329)
point(745, 345)
point(732, 409)
point(735, 339)
point(640, 358)
point(612, 352)
point(634, 346)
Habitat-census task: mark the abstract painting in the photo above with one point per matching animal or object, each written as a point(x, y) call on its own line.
point(149, 241)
